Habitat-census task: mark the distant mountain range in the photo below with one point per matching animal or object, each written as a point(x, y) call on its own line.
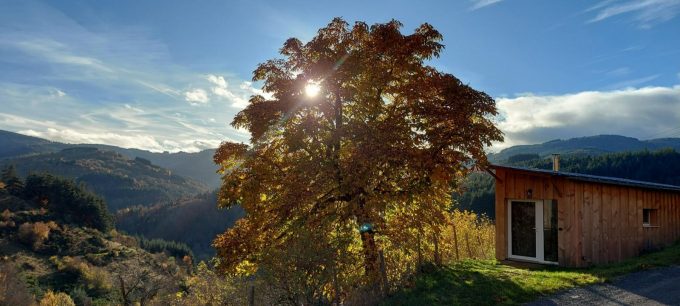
point(592, 145)
point(121, 181)
point(198, 166)
point(157, 195)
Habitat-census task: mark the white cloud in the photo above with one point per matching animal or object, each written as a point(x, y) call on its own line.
point(639, 113)
point(477, 4)
point(218, 80)
point(220, 89)
point(145, 142)
point(196, 96)
point(72, 136)
point(645, 13)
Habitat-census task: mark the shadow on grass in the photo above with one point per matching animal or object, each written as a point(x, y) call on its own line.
point(478, 282)
point(466, 283)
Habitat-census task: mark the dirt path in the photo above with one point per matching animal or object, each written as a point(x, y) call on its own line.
point(651, 287)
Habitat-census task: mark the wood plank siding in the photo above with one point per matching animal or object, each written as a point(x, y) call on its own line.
point(598, 222)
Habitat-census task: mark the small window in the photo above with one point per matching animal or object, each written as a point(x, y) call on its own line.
point(649, 217)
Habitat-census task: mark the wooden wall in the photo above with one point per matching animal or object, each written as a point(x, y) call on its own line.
point(600, 223)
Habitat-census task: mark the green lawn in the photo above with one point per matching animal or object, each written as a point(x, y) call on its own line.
point(476, 282)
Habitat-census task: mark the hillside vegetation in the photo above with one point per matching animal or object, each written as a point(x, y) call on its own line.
point(198, 166)
point(57, 244)
point(123, 182)
point(195, 222)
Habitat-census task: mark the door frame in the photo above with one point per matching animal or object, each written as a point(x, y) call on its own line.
point(538, 225)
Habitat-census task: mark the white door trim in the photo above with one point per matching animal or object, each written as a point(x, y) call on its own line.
point(538, 226)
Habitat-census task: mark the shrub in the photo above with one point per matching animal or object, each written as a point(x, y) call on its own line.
point(56, 299)
point(34, 234)
point(95, 279)
point(6, 218)
point(6, 215)
point(80, 297)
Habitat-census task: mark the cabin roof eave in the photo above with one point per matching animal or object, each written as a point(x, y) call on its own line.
point(592, 178)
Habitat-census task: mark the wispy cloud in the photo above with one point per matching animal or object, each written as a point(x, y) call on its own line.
point(115, 85)
point(477, 4)
point(196, 96)
point(529, 119)
point(644, 13)
point(618, 72)
point(633, 82)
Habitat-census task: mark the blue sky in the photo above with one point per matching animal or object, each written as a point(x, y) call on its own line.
point(170, 75)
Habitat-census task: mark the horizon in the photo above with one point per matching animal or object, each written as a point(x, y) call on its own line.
point(494, 152)
point(130, 75)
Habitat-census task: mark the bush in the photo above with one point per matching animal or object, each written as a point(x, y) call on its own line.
point(6, 215)
point(97, 280)
point(80, 297)
point(6, 218)
point(34, 234)
point(56, 299)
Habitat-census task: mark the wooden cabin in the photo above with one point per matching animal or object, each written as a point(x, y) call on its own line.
point(586, 219)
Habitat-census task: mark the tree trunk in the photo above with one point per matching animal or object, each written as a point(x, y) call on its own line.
point(455, 242)
point(371, 257)
point(420, 254)
point(437, 257)
point(467, 243)
point(383, 274)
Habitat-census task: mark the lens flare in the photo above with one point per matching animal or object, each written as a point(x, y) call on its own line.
point(312, 89)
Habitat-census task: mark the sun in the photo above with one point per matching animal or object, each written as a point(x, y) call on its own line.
point(312, 89)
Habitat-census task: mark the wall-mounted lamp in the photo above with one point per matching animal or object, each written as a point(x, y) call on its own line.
point(529, 193)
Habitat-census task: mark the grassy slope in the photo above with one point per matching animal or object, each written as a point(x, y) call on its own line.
point(489, 283)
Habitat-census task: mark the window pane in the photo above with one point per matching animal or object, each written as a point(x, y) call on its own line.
point(646, 216)
point(523, 227)
point(550, 230)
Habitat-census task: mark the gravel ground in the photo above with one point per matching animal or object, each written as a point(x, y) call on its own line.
point(651, 287)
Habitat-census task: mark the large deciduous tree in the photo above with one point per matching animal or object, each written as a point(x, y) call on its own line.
point(384, 138)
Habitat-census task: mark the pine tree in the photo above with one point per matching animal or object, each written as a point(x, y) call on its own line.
point(11, 180)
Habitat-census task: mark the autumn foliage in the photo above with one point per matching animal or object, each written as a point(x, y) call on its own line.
point(379, 147)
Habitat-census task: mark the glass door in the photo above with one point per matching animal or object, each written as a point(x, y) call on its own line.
point(523, 229)
point(532, 229)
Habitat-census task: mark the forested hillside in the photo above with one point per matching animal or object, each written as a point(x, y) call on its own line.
point(198, 166)
point(57, 245)
point(123, 182)
point(652, 166)
point(661, 166)
point(196, 222)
